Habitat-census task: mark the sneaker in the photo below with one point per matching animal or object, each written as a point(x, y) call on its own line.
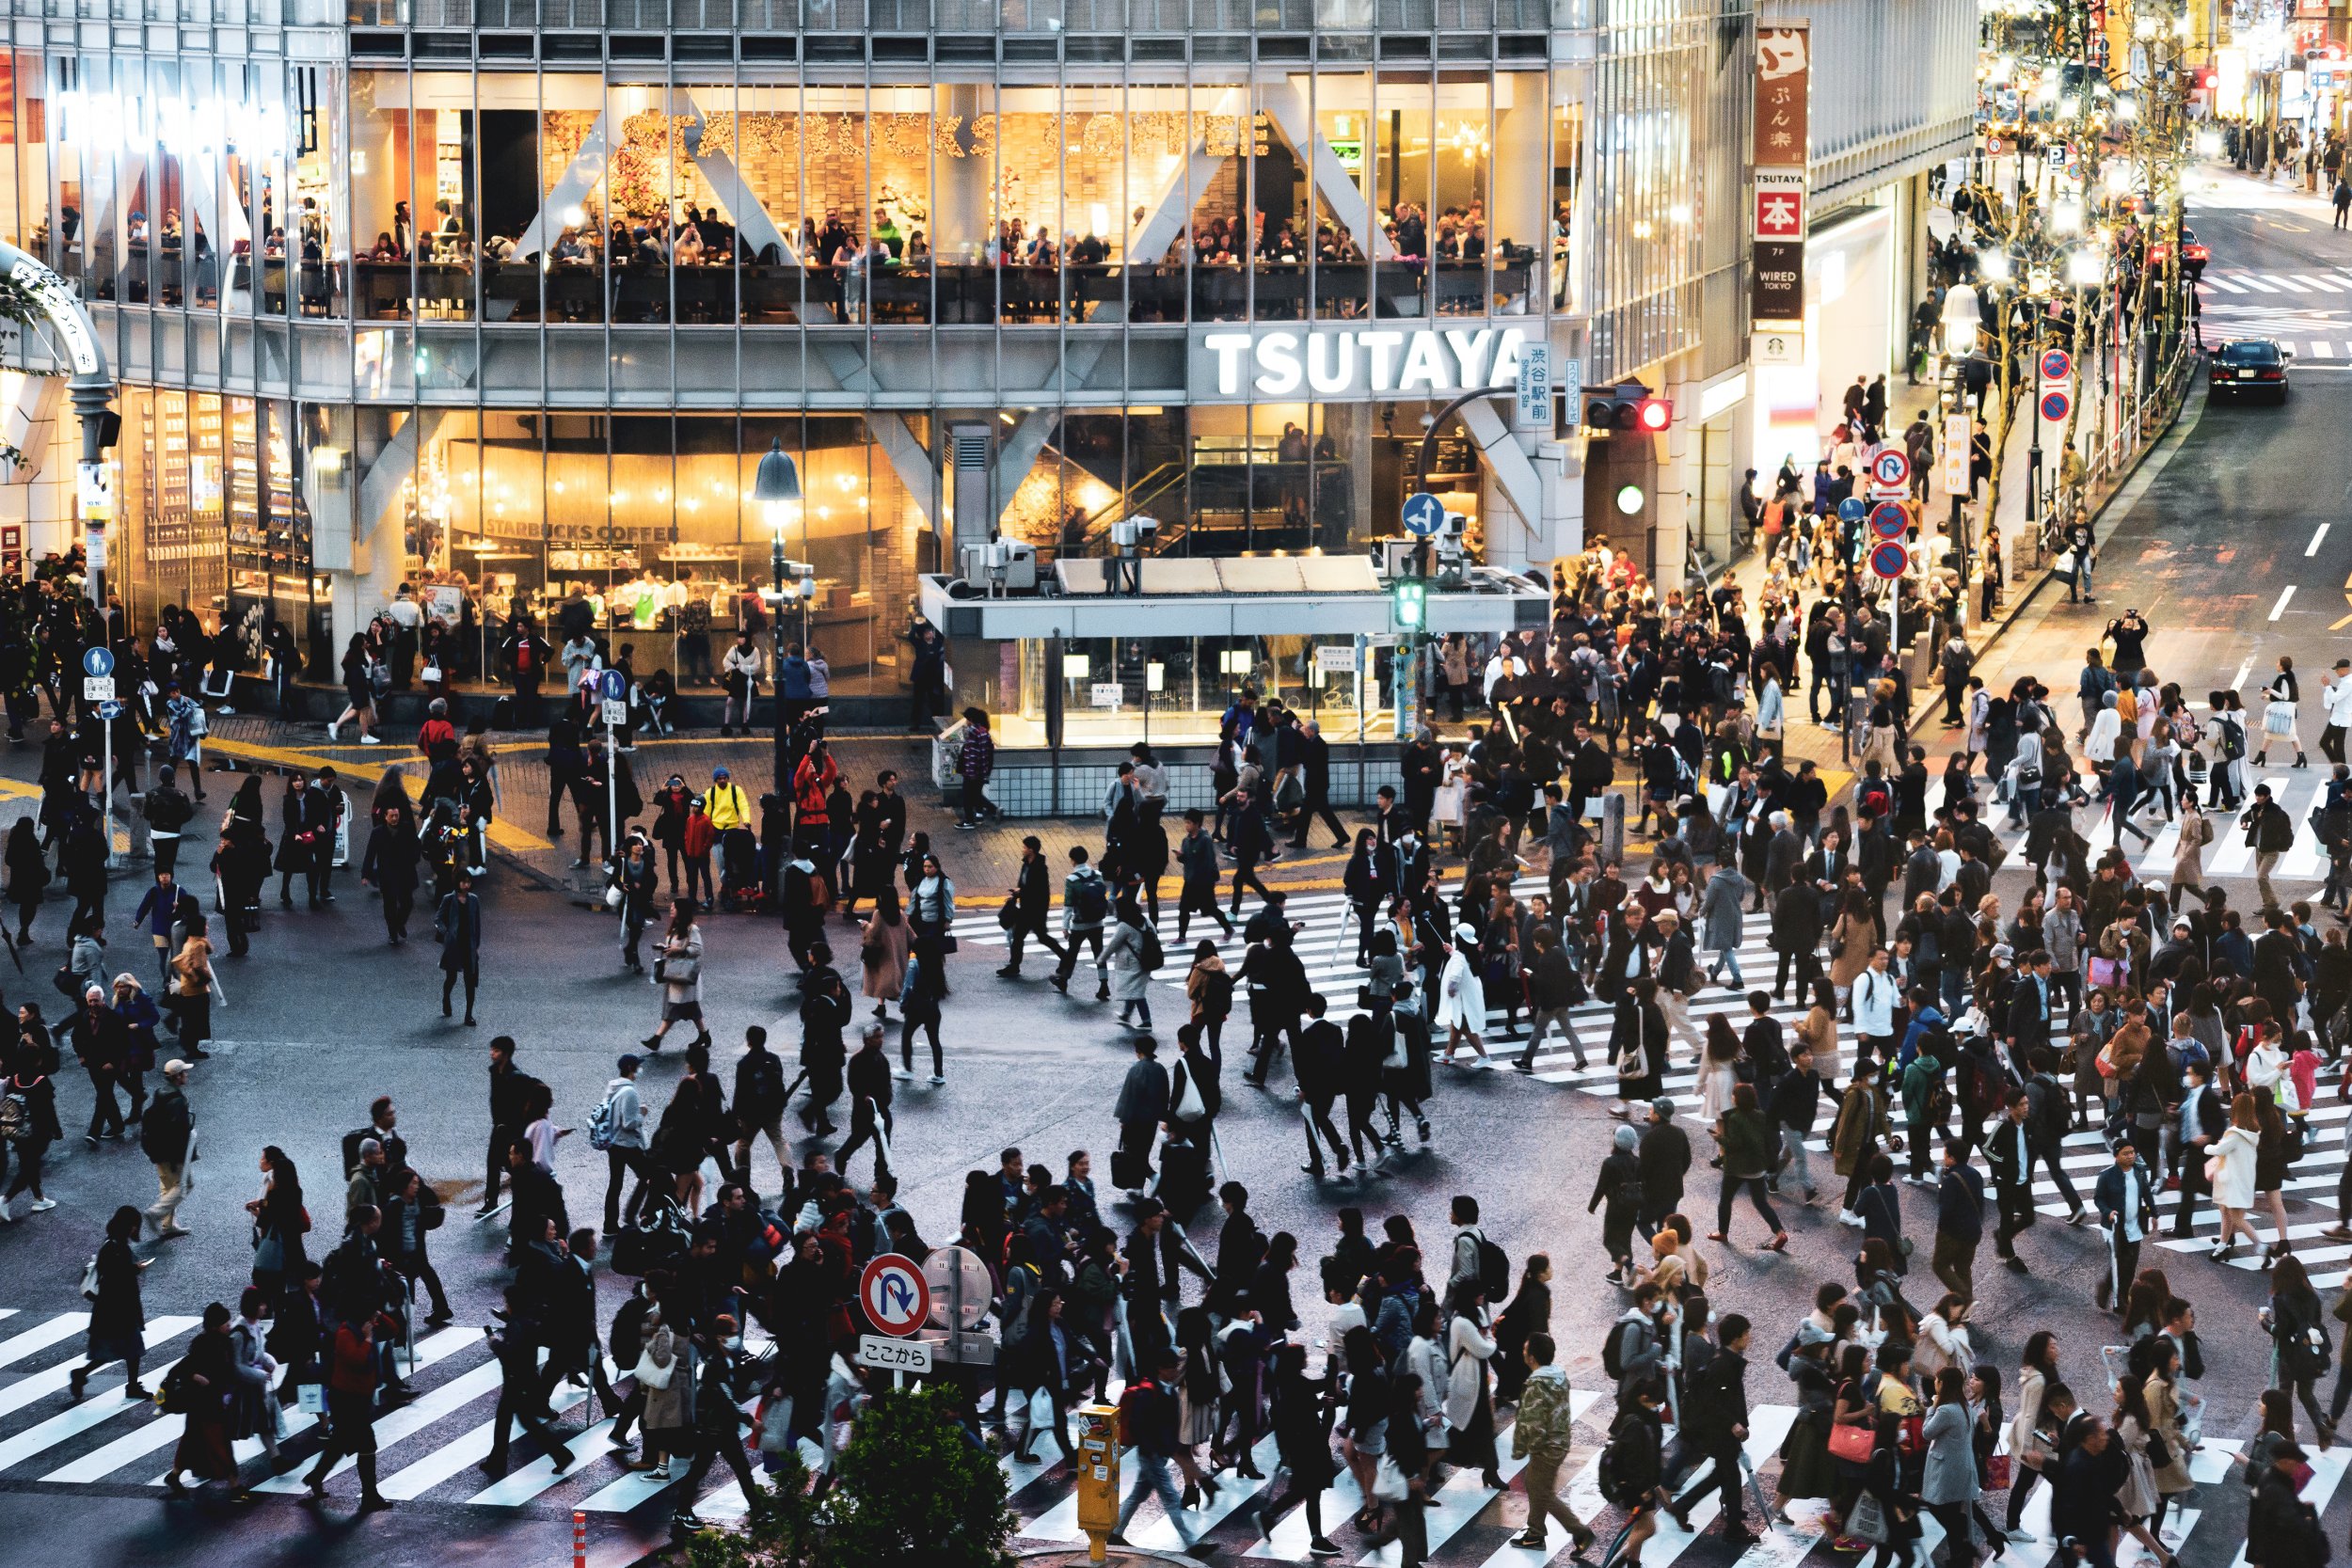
point(43, 1205)
point(330, 730)
point(366, 740)
point(1847, 1216)
point(937, 1079)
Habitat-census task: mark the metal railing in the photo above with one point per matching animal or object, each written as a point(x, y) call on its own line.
point(2120, 441)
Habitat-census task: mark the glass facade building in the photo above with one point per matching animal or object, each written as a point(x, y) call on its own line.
point(505, 298)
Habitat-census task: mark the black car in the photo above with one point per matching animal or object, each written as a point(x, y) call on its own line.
point(2249, 365)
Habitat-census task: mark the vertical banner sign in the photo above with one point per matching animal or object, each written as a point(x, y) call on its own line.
point(1784, 78)
point(1952, 467)
point(1532, 409)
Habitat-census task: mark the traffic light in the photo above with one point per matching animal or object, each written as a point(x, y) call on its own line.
point(1628, 407)
point(1411, 605)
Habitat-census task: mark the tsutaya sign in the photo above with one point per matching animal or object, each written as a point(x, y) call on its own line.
point(1353, 361)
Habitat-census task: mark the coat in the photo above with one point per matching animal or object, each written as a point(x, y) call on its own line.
point(2164, 1406)
point(1723, 909)
point(1950, 1476)
point(460, 922)
point(1124, 952)
point(882, 954)
point(1467, 1346)
point(670, 1408)
point(1861, 1122)
point(690, 947)
point(2231, 1168)
point(1852, 943)
point(1461, 995)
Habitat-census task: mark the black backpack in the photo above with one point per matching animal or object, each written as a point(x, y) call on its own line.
point(1494, 1270)
point(1612, 1348)
point(1092, 900)
point(767, 1082)
point(1150, 955)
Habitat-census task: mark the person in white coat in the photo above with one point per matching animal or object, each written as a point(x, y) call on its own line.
point(2106, 732)
point(2229, 1169)
point(1462, 996)
point(1469, 1411)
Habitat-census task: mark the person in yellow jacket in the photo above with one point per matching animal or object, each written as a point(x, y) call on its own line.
point(729, 807)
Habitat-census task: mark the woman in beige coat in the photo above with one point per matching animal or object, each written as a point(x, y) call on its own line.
point(669, 1417)
point(2188, 861)
point(1851, 941)
point(882, 950)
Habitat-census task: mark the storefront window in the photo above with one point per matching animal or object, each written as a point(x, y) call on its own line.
point(1174, 690)
point(1403, 121)
point(1564, 200)
point(1342, 122)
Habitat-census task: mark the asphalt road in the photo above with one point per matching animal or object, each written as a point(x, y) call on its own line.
point(323, 1015)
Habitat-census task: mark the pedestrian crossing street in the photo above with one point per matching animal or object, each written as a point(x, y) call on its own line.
point(1471, 1526)
point(430, 1447)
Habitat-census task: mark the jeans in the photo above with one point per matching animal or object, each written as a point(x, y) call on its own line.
point(1799, 1158)
point(1729, 959)
point(2047, 1153)
point(1151, 1476)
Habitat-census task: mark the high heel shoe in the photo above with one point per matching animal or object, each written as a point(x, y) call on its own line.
point(1191, 1497)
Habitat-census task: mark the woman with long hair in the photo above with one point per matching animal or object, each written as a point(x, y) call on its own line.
point(27, 871)
point(360, 689)
point(678, 965)
point(2229, 1176)
point(1302, 1436)
point(280, 1223)
point(1947, 1486)
point(883, 949)
point(2298, 1341)
point(2029, 1443)
point(1469, 1411)
point(2273, 1149)
point(1747, 1137)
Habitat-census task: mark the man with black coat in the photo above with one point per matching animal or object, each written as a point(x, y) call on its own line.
point(824, 1048)
point(1796, 933)
point(2206, 1117)
point(1665, 1157)
point(2008, 1153)
point(102, 1043)
point(1315, 773)
point(1590, 771)
point(2126, 1201)
point(1717, 1424)
point(1318, 1060)
point(1141, 1107)
point(509, 1088)
point(1424, 767)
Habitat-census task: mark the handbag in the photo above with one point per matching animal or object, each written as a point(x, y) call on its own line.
point(1388, 1482)
point(612, 896)
point(1868, 1522)
point(1997, 1473)
point(1852, 1443)
point(648, 1375)
point(311, 1397)
point(2064, 563)
point(1008, 915)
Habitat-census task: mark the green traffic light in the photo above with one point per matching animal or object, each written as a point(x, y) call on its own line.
point(1409, 606)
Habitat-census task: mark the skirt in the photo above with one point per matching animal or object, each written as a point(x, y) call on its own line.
point(1806, 1468)
point(682, 1012)
point(2279, 718)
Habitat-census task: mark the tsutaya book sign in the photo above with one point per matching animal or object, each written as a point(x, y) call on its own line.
point(1353, 361)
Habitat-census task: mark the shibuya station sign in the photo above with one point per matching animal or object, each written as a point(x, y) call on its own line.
point(1353, 361)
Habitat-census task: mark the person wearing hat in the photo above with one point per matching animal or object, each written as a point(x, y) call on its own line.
point(1462, 995)
point(2335, 706)
point(2281, 1529)
point(168, 1138)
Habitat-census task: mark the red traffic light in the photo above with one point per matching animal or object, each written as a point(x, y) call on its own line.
point(1653, 414)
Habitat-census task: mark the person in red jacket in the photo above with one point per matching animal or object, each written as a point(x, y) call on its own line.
point(813, 780)
point(350, 1412)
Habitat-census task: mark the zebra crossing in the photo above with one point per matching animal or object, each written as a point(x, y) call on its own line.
point(430, 1447)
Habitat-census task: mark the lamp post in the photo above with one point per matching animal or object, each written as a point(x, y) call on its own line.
point(776, 491)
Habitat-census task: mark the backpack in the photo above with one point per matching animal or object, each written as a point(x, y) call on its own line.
point(600, 1122)
point(16, 1118)
point(172, 1396)
point(1494, 1270)
point(2232, 740)
point(1615, 1473)
point(766, 1085)
point(1092, 900)
point(1875, 797)
point(1612, 1348)
point(1130, 1405)
point(1150, 955)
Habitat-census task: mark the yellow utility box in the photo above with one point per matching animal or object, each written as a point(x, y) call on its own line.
point(1098, 1476)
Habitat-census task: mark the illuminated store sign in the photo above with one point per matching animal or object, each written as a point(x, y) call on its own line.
point(1355, 361)
point(109, 119)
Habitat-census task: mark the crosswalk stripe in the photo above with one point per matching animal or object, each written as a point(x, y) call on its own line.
point(462, 1453)
point(2322, 349)
point(2225, 285)
point(2258, 285)
point(409, 1420)
point(32, 1341)
point(81, 1417)
point(1234, 1492)
point(2323, 285)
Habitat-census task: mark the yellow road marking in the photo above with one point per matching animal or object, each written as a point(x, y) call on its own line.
point(502, 832)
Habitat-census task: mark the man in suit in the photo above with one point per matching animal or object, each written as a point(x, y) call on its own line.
point(1590, 770)
point(2202, 1118)
point(2009, 1152)
point(2126, 1201)
point(2028, 1027)
point(1315, 773)
point(1317, 1061)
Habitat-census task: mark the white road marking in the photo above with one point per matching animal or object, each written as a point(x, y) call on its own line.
point(2313, 548)
point(2280, 608)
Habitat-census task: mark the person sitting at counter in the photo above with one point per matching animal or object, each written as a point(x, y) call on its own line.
point(685, 247)
point(383, 250)
point(918, 249)
point(835, 237)
point(570, 248)
point(886, 233)
point(1091, 251)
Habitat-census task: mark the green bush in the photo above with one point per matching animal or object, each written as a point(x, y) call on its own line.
point(913, 1492)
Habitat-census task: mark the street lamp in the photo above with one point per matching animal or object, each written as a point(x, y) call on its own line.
point(1963, 319)
point(1963, 316)
point(776, 489)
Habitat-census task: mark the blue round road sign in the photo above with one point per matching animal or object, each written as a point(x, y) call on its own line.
point(1850, 509)
point(2055, 405)
point(1424, 514)
point(1889, 559)
point(98, 661)
point(615, 686)
point(2056, 365)
point(1888, 521)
